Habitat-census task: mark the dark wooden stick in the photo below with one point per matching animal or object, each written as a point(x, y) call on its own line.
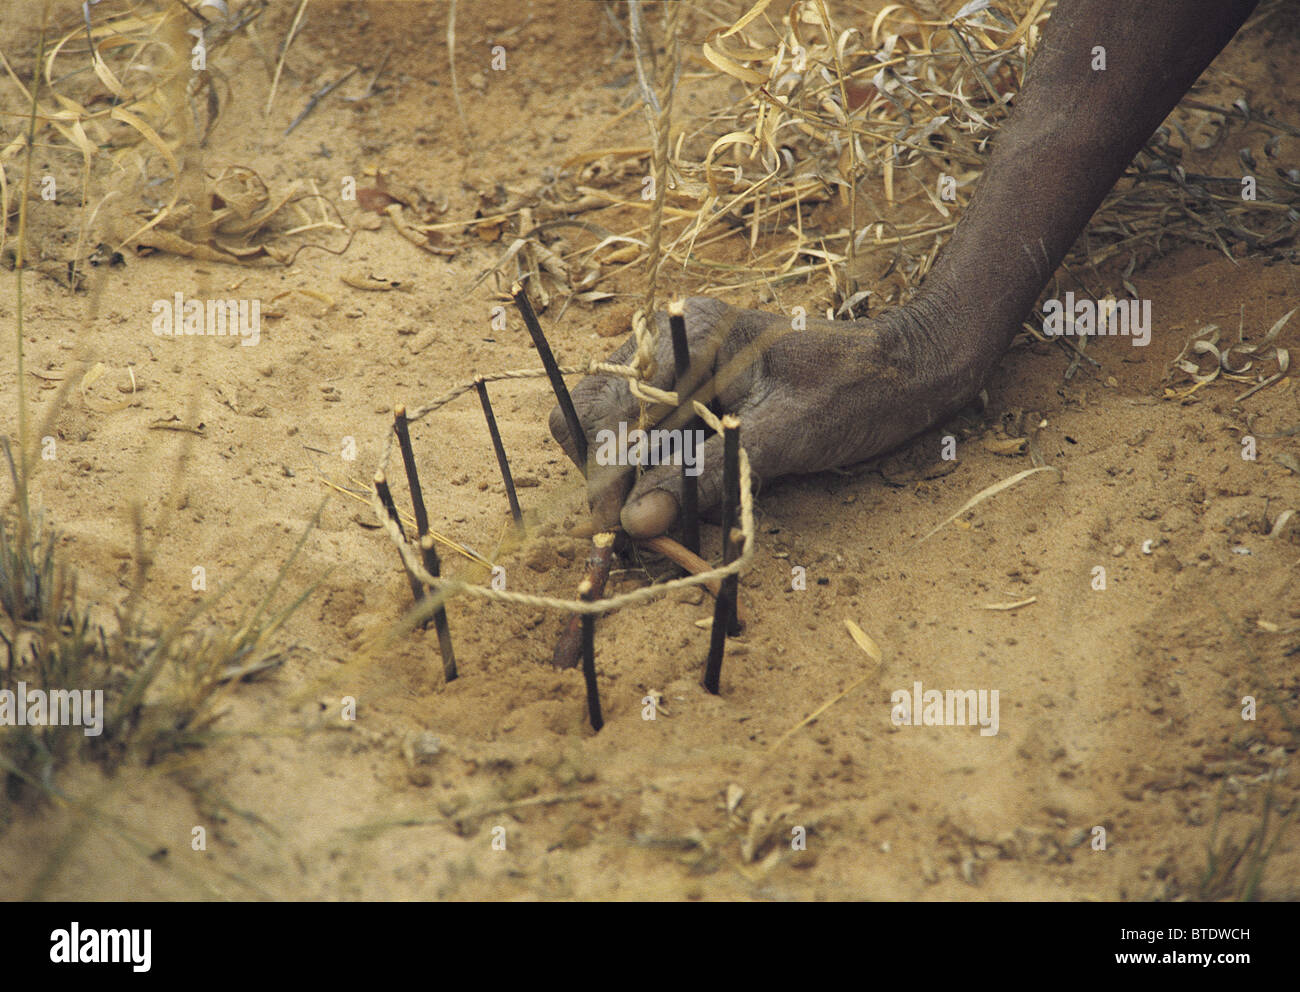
point(386, 497)
point(731, 583)
point(724, 610)
point(730, 515)
point(434, 568)
point(568, 648)
point(499, 448)
point(682, 365)
point(403, 432)
point(587, 592)
point(553, 373)
point(412, 477)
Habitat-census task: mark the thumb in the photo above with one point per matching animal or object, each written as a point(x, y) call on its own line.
point(656, 499)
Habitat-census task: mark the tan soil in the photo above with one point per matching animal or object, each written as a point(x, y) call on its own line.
point(1119, 708)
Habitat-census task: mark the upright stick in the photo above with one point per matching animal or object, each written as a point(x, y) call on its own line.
point(724, 611)
point(587, 593)
point(731, 583)
point(412, 477)
point(682, 366)
point(499, 448)
point(403, 432)
point(553, 373)
point(434, 568)
point(386, 497)
point(425, 539)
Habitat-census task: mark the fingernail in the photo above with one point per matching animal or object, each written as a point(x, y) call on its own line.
point(649, 515)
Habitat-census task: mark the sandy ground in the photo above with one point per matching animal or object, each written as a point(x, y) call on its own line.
point(1120, 708)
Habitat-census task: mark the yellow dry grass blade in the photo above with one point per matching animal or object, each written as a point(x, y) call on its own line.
point(985, 493)
point(151, 136)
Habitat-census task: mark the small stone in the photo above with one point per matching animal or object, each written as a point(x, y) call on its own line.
point(803, 859)
point(929, 871)
point(523, 783)
point(540, 559)
point(421, 748)
point(360, 624)
point(453, 804)
point(549, 756)
point(1117, 551)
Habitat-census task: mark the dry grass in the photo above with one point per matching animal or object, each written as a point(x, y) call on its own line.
point(883, 131)
point(164, 685)
point(128, 100)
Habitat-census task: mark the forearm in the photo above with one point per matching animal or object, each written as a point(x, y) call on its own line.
point(1073, 131)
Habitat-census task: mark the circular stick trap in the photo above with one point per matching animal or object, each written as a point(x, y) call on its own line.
point(432, 590)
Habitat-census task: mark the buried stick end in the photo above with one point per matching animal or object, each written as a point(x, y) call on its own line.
point(587, 592)
point(433, 566)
